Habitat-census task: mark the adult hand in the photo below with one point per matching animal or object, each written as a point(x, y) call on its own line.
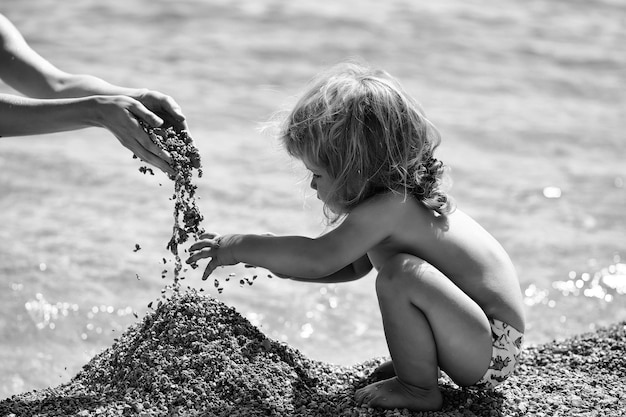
point(163, 106)
point(167, 109)
point(119, 114)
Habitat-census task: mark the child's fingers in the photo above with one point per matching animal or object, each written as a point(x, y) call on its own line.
point(203, 244)
point(208, 235)
point(205, 253)
point(207, 242)
point(209, 269)
point(206, 273)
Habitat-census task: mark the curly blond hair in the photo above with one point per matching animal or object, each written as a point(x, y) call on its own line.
point(369, 135)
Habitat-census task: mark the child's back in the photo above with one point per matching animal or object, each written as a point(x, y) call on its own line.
point(459, 248)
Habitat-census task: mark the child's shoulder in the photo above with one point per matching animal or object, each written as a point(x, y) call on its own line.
point(392, 204)
point(395, 208)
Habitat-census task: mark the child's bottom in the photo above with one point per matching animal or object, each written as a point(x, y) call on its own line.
point(507, 347)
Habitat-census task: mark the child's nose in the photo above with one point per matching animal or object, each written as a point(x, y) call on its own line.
point(313, 184)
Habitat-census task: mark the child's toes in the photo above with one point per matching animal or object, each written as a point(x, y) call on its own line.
point(358, 396)
point(361, 396)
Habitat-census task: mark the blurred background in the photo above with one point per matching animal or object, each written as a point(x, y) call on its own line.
point(529, 97)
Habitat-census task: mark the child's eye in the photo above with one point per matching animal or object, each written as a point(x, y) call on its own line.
point(316, 176)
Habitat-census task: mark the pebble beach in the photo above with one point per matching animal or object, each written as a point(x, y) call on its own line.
point(195, 356)
point(528, 97)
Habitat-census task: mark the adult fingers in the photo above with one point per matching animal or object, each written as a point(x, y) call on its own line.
point(165, 107)
point(171, 107)
point(148, 150)
point(142, 113)
point(146, 155)
point(158, 157)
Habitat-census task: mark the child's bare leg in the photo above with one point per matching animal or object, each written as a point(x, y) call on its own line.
point(428, 322)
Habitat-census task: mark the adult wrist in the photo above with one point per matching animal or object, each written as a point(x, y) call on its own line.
point(94, 110)
point(137, 93)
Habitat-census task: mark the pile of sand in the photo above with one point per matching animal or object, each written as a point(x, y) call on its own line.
point(194, 356)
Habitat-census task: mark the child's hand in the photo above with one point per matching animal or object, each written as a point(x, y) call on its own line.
point(216, 247)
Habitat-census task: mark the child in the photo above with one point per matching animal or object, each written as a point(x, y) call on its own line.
point(448, 293)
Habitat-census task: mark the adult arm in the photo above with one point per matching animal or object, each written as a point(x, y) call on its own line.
point(27, 116)
point(25, 70)
point(112, 107)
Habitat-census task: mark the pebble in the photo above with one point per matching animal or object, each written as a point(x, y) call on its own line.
point(576, 401)
point(195, 356)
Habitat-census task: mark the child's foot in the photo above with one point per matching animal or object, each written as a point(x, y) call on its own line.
point(393, 393)
point(383, 371)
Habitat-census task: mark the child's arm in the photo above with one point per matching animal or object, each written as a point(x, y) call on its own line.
point(351, 272)
point(297, 256)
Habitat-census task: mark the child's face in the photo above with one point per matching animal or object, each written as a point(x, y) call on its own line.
point(321, 181)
